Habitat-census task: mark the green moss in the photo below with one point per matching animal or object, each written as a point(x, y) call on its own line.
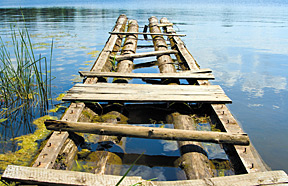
point(28, 146)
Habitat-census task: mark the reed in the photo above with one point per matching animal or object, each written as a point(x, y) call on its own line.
point(25, 78)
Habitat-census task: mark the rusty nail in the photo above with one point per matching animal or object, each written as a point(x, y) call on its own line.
point(71, 112)
point(244, 150)
point(101, 131)
point(223, 112)
point(49, 145)
point(39, 163)
point(252, 166)
point(227, 120)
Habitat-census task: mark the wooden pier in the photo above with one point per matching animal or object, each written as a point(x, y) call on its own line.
point(164, 92)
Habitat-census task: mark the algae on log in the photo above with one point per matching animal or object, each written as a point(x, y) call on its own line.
point(108, 162)
point(193, 158)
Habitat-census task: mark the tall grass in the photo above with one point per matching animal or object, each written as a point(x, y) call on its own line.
point(25, 79)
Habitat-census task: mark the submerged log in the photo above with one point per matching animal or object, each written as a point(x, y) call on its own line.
point(193, 160)
point(149, 132)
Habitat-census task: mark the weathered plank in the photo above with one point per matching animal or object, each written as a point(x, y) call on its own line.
point(31, 175)
point(177, 75)
point(145, 33)
point(248, 155)
point(143, 54)
point(147, 132)
point(49, 153)
point(255, 179)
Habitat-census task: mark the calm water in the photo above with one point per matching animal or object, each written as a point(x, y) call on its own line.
point(245, 44)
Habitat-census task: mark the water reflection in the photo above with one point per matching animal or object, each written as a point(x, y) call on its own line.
point(245, 45)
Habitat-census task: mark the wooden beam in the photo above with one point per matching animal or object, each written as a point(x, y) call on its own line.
point(40, 176)
point(177, 75)
point(144, 33)
point(147, 132)
point(143, 54)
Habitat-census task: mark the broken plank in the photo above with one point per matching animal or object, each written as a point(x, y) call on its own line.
point(145, 33)
point(143, 54)
point(177, 75)
point(147, 132)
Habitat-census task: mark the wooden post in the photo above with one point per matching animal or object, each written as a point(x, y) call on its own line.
point(165, 65)
point(130, 45)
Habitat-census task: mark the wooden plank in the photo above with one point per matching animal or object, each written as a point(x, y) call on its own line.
point(248, 155)
point(178, 75)
point(145, 33)
point(147, 132)
point(255, 179)
point(49, 153)
point(143, 54)
point(30, 175)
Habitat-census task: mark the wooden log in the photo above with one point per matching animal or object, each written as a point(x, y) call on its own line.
point(165, 62)
point(147, 132)
point(248, 156)
point(177, 75)
point(130, 45)
point(144, 33)
point(143, 54)
point(193, 160)
point(38, 176)
point(160, 44)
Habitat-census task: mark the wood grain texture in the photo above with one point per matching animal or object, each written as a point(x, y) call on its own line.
point(177, 75)
point(31, 175)
point(147, 132)
point(146, 93)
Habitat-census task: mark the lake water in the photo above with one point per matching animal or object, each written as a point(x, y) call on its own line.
point(245, 43)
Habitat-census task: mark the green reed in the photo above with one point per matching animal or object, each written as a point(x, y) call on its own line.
point(25, 79)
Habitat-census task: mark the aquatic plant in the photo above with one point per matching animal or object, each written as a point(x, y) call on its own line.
point(25, 86)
